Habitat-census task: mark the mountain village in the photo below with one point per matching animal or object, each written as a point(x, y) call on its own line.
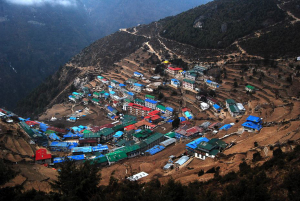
point(140, 124)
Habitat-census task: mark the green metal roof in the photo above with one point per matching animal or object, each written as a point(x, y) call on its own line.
point(142, 144)
point(131, 148)
point(116, 156)
point(214, 152)
point(131, 80)
point(161, 107)
point(118, 127)
point(216, 141)
point(129, 123)
point(139, 101)
point(27, 129)
point(205, 145)
point(102, 92)
point(121, 142)
point(115, 81)
point(106, 131)
point(128, 118)
point(127, 100)
point(96, 100)
point(153, 138)
point(189, 81)
point(232, 108)
point(96, 93)
point(230, 101)
point(101, 159)
point(91, 135)
point(87, 131)
point(250, 87)
point(170, 134)
point(150, 97)
point(49, 131)
point(142, 133)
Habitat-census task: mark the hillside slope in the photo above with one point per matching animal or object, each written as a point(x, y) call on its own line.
point(102, 55)
point(36, 39)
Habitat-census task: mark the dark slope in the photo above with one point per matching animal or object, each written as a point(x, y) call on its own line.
point(277, 43)
point(238, 16)
point(103, 52)
point(219, 23)
point(36, 40)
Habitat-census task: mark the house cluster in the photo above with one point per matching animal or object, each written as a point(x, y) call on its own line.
point(235, 109)
point(137, 117)
point(186, 78)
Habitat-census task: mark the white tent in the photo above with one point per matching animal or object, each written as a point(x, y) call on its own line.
point(204, 106)
point(138, 176)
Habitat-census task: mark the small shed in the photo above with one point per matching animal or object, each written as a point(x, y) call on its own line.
point(181, 161)
point(168, 142)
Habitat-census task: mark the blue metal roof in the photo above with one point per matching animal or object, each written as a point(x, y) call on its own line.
point(122, 85)
point(151, 101)
point(182, 119)
point(188, 115)
point(75, 158)
point(53, 136)
point(59, 144)
point(250, 124)
point(100, 148)
point(43, 127)
point(174, 80)
point(226, 127)
point(137, 73)
point(118, 134)
point(82, 149)
point(130, 93)
point(253, 119)
point(138, 85)
point(208, 81)
point(195, 143)
point(110, 108)
point(110, 86)
point(155, 149)
point(169, 109)
point(217, 107)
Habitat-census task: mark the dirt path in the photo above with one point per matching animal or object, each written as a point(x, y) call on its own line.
point(296, 19)
point(153, 51)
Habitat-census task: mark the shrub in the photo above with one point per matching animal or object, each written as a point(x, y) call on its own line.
point(200, 173)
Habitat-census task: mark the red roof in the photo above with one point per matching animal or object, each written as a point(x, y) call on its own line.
point(152, 114)
point(213, 125)
point(185, 109)
point(30, 123)
point(97, 128)
point(130, 127)
point(155, 117)
point(185, 122)
point(193, 130)
point(174, 68)
point(41, 154)
point(88, 141)
point(139, 107)
point(212, 99)
point(3, 111)
point(155, 112)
